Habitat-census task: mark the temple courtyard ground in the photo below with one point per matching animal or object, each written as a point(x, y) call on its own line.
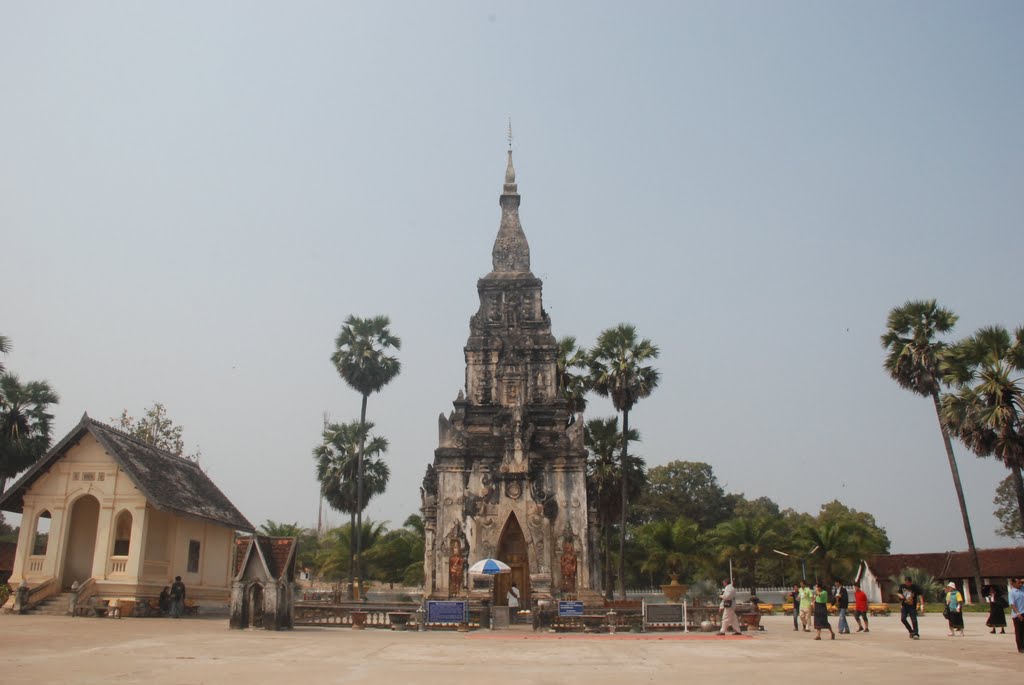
point(44, 649)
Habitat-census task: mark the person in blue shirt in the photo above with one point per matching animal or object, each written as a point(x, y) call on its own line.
point(1017, 611)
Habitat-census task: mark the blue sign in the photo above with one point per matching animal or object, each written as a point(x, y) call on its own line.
point(570, 608)
point(447, 611)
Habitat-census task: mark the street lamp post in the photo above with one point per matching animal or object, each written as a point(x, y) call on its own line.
point(803, 559)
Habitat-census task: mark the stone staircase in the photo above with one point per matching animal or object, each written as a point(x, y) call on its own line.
point(57, 605)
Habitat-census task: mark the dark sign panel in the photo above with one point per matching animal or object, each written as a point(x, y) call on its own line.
point(665, 613)
point(447, 611)
point(570, 608)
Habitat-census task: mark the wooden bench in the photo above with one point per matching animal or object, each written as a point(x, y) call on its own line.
point(879, 609)
point(766, 609)
point(787, 608)
point(191, 607)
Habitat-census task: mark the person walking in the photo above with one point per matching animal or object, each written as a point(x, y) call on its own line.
point(727, 603)
point(177, 597)
point(954, 609)
point(996, 610)
point(860, 608)
point(912, 596)
point(1017, 612)
point(821, 612)
point(841, 598)
point(794, 597)
point(806, 606)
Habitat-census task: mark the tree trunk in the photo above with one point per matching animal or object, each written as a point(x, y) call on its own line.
point(352, 554)
point(609, 587)
point(972, 550)
point(359, 495)
point(1018, 486)
point(622, 532)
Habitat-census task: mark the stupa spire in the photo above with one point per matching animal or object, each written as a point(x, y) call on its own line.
point(511, 252)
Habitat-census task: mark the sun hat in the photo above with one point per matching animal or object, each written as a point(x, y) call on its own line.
point(951, 584)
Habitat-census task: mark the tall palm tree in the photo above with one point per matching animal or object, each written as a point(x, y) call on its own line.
point(746, 540)
point(987, 410)
point(572, 384)
point(25, 424)
point(604, 477)
point(362, 358)
point(618, 370)
point(337, 459)
point(913, 357)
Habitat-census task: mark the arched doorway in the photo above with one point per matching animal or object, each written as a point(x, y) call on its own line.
point(255, 605)
point(512, 550)
point(81, 541)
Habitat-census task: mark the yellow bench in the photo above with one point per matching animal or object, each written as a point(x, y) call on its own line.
point(787, 608)
point(766, 609)
point(879, 609)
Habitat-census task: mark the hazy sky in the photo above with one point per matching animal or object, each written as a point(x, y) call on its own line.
point(195, 195)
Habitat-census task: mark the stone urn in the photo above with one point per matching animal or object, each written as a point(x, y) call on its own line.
point(675, 590)
point(358, 620)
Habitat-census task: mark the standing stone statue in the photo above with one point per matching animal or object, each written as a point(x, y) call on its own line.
point(568, 567)
point(456, 564)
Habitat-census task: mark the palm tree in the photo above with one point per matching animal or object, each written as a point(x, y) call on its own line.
point(25, 424)
point(602, 438)
point(670, 545)
point(336, 550)
point(337, 459)
point(617, 370)
point(746, 540)
point(361, 358)
point(836, 547)
point(571, 385)
point(912, 360)
point(987, 411)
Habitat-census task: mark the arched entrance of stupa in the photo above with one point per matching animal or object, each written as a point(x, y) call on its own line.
point(512, 549)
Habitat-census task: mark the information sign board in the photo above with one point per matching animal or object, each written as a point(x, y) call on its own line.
point(451, 611)
point(570, 608)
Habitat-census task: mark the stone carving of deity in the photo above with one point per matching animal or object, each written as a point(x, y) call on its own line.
point(568, 564)
point(456, 565)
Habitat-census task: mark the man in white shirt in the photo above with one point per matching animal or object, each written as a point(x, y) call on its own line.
point(513, 603)
point(728, 607)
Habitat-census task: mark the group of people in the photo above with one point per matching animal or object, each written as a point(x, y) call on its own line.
point(172, 599)
point(811, 607)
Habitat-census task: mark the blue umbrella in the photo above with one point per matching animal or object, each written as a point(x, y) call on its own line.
point(489, 567)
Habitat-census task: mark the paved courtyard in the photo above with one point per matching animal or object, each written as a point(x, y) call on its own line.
point(43, 649)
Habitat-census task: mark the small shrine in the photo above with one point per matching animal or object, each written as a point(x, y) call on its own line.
point(261, 592)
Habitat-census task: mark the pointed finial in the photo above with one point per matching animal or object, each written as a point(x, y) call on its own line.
point(510, 134)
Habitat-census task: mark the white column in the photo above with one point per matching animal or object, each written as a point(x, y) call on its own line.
point(101, 553)
point(137, 546)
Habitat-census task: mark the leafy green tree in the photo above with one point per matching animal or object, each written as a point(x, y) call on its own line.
point(399, 554)
point(155, 428)
point(684, 488)
point(604, 477)
point(337, 459)
point(746, 541)
point(363, 360)
point(573, 379)
point(1008, 510)
point(670, 546)
point(25, 424)
point(619, 370)
point(334, 558)
point(839, 542)
point(987, 410)
point(913, 358)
